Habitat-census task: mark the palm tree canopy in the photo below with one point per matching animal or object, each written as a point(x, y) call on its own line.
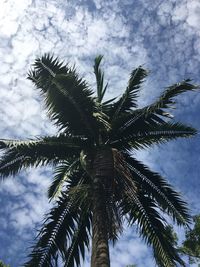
point(100, 135)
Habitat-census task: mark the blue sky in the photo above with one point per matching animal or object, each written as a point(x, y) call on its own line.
point(163, 37)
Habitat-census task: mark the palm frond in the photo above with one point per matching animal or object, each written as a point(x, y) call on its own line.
point(136, 119)
point(99, 78)
point(156, 186)
point(81, 195)
point(155, 233)
point(152, 114)
point(128, 99)
point(55, 235)
point(67, 97)
point(108, 102)
point(112, 217)
point(152, 134)
point(80, 241)
point(143, 211)
point(22, 154)
point(66, 229)
point(166, 99)
point(61, 174)
point(138, 203)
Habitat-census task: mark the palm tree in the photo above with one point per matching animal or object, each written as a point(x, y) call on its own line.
point(98, 184)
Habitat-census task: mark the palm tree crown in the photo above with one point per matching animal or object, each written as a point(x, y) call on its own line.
point(97, 182)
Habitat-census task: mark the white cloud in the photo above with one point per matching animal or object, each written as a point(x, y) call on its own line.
point(180, 12)
point(188, 13)
point(193, 18)
point(10, 13)
point(12, 186)
point(98, 3)
point(96, 32)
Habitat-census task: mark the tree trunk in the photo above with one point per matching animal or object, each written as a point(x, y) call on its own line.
point(100, 249)
point(103, 168)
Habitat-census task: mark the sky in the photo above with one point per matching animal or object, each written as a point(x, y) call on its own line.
point(163, 37)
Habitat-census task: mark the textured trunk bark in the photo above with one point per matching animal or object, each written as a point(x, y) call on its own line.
point(100, 249)
point(103, 168)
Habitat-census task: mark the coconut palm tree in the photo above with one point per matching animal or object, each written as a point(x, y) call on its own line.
point(98, 183)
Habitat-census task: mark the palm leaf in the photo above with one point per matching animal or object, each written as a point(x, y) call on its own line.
point(80, 240)
point(155, 185)
point(55, 234)
point(144, 211)
point(166, 99)
point(151, 115)
point(61, 175)
point(60, 232)
point(22, 154)
point(152, 134)
point(128, 99)
point(155, 233)
point(82, 196)
point(67, 97)
point(99, 78)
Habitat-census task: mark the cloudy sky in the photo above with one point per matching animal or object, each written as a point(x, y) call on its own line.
point(163, 37)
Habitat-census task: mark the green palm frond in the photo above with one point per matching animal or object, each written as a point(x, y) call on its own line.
point(161, 134)
point(128, 99)
point(140, 118)
point(154, 232)
point(108, 102)
point(65, 231)
point(22, 154)
point(80, 241)
point(70, 176)
point(152, 134)
point(156, 186)
point(81, 195)
point(67, 97)
point(99, 78)
point(61, 174)
point(115, 219)
point(55, 234)
point(123, 182)
point(166, 99)
point(136, 119)
point(143, 211)
point(74, 142)
point(100, 112)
